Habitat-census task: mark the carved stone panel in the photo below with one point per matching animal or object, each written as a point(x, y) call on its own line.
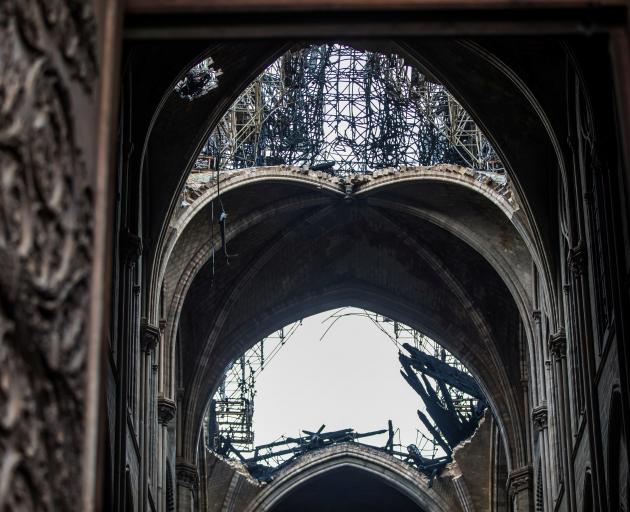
point(46, 50)
point(558, 345)
point(519, 481)
point(540, 417)
point(166, 410)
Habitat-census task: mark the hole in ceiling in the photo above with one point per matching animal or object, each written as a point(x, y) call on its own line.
point(348, 375)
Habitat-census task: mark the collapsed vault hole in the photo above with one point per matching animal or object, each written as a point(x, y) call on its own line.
point(310, 378)
point(199, 81)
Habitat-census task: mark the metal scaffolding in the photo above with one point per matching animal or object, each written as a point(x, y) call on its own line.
point(335, 108)
point(231, 411)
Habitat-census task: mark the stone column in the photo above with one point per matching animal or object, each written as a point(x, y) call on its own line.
point(537, 388)
point(578, 264)
point(131, 251)
point(558, 351)
point(519, 486)
point(166, 413)
point(540, 418)
point(149, 338)
point(187, 484)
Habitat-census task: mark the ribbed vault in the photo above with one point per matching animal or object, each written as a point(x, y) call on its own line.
point(414, 247)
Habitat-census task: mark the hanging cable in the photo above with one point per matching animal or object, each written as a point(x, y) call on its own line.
point(212, 240)
point(223, 214)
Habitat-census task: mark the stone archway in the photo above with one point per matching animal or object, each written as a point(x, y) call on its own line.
point(384, 467)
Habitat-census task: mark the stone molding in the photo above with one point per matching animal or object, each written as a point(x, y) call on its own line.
point(167, 409)
point(540, 417)
point(149, 334)
point(187, 475)
point(558, 344)
point(519, 480)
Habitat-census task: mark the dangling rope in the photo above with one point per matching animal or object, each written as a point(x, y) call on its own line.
point(223, 215)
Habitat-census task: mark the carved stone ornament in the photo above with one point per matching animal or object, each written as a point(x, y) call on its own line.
point(166, 410)
point(558, 345)
point(72, 26)
point(187, 475)
point(577, 259)
point(149, 335)
point(131, 247)
point(519, 481)
point(46, 215)
point(540, 417)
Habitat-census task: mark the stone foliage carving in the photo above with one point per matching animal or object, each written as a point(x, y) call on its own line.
point(187, 475)
point(577, 260)
point(519, 480)
point(166, 410)
point(558, 345)
point(150, 335)
point(45, 251)
point(540, 417)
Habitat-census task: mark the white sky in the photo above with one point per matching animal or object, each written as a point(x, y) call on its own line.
point(349, 379)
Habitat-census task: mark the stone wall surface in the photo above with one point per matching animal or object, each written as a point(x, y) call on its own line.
point(473, 462)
